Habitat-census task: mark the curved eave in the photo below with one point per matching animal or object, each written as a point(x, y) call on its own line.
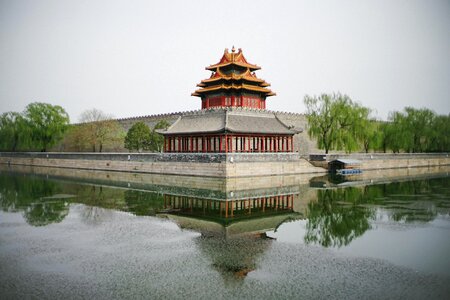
point(234, 77)
point(265, 91)
point(240, 64)
point(191, 133)
point(260, 133)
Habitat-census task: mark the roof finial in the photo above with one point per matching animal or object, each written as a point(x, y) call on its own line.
point(233, 50)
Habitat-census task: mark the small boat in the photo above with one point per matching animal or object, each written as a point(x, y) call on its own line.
point(348, 171)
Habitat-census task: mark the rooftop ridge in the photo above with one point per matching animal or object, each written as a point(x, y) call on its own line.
point(203, 111)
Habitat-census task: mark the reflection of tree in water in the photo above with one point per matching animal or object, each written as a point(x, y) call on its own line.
point(95, 200)
point(41, 214)
point(94, 215)
point(143, 203)
point(38, 198)
point(233, 257)
point(333, 223)
point(19, 192)
point(342, 214)
point(415, 201)
point(32, 195)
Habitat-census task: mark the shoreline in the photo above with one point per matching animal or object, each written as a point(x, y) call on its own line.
point(220, 165)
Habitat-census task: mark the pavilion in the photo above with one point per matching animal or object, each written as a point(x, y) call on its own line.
point(233, 117)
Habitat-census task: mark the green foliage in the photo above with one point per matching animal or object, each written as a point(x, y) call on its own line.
point(389, 137)
point(157, 139)
point(440, 134)
point(39, 127)
point(416, 130)
point(47, 124)
point(336, 121)
point(14, 133)
point(370, 135)
point(141, 137)
point(138, 137)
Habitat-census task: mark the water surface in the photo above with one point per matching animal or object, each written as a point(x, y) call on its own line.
point(68, 237)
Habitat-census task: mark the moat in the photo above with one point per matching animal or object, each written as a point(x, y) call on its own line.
point(88, 234)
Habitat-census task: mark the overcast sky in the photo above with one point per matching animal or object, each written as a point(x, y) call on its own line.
point(134, 58)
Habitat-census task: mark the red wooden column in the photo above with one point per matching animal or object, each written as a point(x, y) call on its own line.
point(282, 143)
point(230, 147)
point(203, 144)
point(292, 144)
point(272, 144)
point(226, 143)
point(216, 143)
point(262, 144)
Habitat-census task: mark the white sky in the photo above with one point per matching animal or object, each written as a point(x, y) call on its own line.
point(133, 58)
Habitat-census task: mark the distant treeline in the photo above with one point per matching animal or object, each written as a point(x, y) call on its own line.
point(42, 126)
point(37, 128)
point(334, 120)
point(338, 123)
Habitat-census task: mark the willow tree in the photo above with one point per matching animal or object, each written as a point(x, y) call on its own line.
point(440, 139)
point(47, 124)
point(14, 132)
point(335, 121)
point(419, 123)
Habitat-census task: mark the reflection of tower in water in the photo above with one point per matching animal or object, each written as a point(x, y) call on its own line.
point(233, 230)
point(227, 211)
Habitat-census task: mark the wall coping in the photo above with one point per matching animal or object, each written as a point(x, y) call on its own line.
point(161, 157)
point(376, 156)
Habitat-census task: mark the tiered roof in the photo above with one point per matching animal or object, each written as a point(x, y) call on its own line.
point(233, 73)
point(230, 120)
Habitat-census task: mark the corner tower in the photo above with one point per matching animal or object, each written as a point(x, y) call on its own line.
point(233, 117)
point(233, 83)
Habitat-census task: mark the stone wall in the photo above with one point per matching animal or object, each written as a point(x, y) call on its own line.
point(375, 161)
point(211, 165)
point(303, 144)
point(191, 164)
point(151, 120)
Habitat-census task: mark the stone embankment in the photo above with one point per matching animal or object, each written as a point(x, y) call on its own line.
point(379, 161)
point(190, 164)
point(216, 164)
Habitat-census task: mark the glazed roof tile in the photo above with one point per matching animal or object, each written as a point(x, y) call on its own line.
point(233, 59)
point(233, 86)
point(229, 120)
point(220, 79)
